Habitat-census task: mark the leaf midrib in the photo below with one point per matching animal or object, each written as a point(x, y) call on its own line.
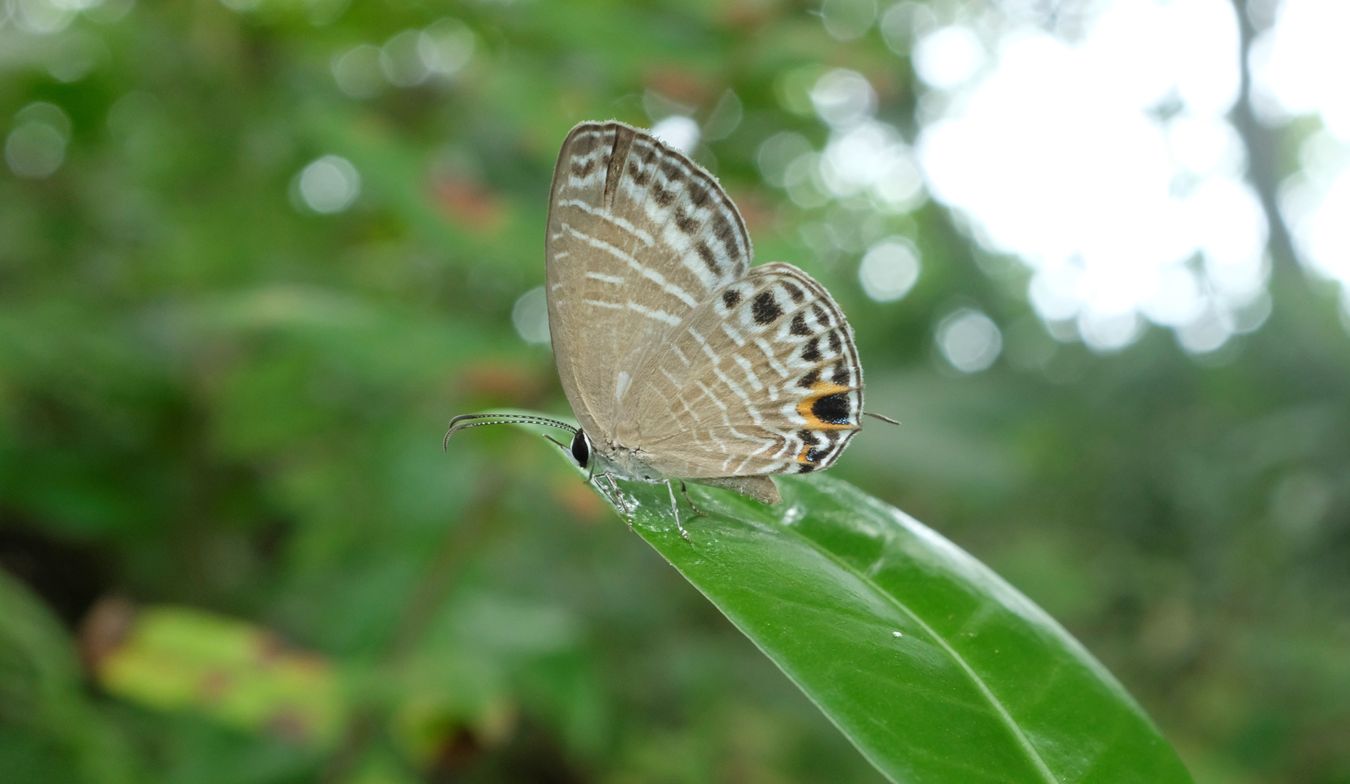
point(1004, 716)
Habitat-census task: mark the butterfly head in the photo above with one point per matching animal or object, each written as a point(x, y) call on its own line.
point(581, 448)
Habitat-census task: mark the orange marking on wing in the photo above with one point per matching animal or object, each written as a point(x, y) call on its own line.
point(819, 390)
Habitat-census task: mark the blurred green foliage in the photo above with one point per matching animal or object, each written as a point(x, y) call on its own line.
point(214, 397)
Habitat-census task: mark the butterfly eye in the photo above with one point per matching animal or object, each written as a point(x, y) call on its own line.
point(581, 449)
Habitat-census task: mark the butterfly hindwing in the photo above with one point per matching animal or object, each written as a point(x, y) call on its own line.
point(763, 379)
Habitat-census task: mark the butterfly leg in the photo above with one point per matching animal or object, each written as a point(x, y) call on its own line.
point(675, 508)
point(615, 497)
point(602, 490)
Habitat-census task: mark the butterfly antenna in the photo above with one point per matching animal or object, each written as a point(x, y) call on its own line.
point(466, 421)
point(882, 417)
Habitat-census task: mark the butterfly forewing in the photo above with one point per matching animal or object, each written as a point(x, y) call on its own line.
point(763, 379)
point(638, 239)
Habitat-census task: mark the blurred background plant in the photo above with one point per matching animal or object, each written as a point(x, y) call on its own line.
point(254, 253)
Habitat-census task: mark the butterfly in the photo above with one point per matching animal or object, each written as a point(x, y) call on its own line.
point(680, 361)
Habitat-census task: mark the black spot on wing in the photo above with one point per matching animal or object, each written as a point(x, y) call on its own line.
point(647, 162)
point(584, 143)
point(809, 380)
point(835, 343)
point(638, 174)
point(687, 224)
point(765, 310)
point(726, 235)
point(812, 351)
point(799, 326)
point(698, 195)
point(730, 298)
point(832, 408)
point(841, 375)
point(793, 291)
point(705, 253)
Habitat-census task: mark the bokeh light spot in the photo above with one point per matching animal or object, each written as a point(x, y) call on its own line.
point(530, 316)
point(445, 47)
point(329, 184)
point(1299, 64)
point(1105, 333)
point(36, 147)
point(842, 97)
point(725, 117)
point(678, 131)
point(47, 114)
point(357, 71)
point(777, 153)
point(401, 60)
point(948, 57)
point(889, 269)
point(1205, 334)
point(848, 20)
point(41, 17)
point(969, 340)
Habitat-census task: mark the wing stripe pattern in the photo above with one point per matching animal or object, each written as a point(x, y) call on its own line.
point(635, 265)
point(674, 355)
point(796, 354)
point(829, 408)
point(638, 238)
point(636, 231)
point(683, 202)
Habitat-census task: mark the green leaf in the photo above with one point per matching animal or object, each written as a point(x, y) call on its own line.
point(931, 664)
point(51, 729)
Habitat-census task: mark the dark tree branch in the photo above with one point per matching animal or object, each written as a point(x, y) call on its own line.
point(1262, 145)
